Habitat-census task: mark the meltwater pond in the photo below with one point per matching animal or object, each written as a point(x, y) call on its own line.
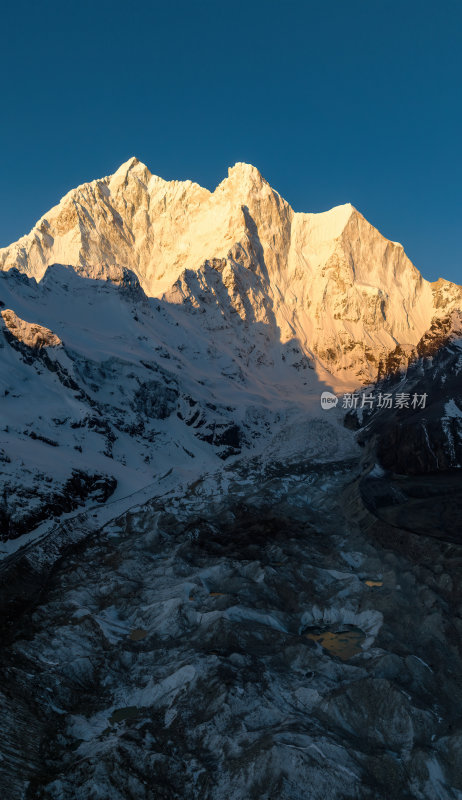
point(344, 643)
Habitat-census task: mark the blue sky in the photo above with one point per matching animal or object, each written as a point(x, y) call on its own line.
point(333, 101)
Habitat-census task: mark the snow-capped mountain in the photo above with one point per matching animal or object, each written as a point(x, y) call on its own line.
point(330, 282)
point(187, 327)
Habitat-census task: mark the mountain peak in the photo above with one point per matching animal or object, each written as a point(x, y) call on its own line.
point(243, 168)
point(129, 164)
point(133, 165)
point(329, 225)
point(342, 213)
point(244, 173)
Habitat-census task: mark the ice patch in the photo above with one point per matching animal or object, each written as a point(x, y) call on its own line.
point(452, 410)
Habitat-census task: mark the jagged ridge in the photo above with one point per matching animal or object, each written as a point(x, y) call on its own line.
point(331, 281)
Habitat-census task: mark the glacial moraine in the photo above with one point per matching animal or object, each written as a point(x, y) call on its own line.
point(182, 667)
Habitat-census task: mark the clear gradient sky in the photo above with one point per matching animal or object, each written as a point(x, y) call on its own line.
point(334, 101)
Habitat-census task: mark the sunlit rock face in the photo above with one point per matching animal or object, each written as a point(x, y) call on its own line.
point(348, 295)
point(28, 333)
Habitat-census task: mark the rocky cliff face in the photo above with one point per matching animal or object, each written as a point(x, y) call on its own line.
point(330, 281)
point(35, 336)
point(422, 437)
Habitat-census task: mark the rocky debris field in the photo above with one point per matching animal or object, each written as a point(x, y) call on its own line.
point(241, 642)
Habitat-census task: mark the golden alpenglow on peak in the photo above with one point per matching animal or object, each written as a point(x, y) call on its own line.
point(330, 279)
point(243, 171)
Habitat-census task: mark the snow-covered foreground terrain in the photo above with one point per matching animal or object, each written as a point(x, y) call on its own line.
point(134, 387)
